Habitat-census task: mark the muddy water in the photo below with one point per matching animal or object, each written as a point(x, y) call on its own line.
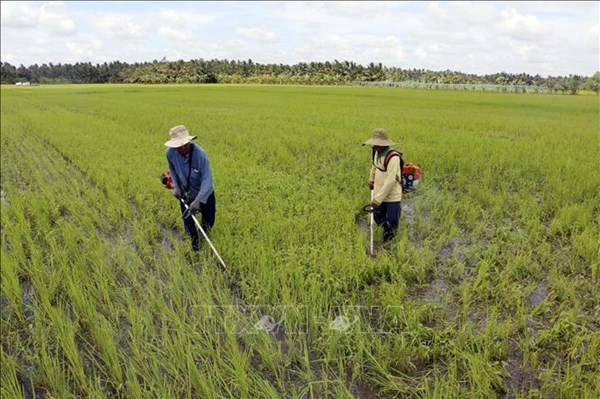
point(363, 224)
point(408, 212)
point(537, 296)
point(361, 219)
point(437, 290)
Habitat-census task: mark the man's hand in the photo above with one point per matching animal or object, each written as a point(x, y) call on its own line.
point(195, 206)
point(374, 205)
point(371, 185)
point(177, 192)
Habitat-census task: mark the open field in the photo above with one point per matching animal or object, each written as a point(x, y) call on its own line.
point(491, 289)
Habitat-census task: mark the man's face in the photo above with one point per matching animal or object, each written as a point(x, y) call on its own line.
point(378, 148)
point(184, 149)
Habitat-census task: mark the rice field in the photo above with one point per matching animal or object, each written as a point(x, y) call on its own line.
point(490, 290)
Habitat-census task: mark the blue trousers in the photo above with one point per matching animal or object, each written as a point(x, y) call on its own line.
point(208, 212)
point(388, 216)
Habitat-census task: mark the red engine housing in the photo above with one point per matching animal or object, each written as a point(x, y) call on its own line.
point(166, 180)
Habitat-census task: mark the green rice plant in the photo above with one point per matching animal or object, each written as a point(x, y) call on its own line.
point(11, 289)
point(10, 383)
point(65, 331)
point(53, 369)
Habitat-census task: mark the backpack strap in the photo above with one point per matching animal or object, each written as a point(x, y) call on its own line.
point(386, 161)
point(390, 155)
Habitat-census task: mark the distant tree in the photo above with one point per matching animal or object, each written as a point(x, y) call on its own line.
point(573, 83)
point(248, 71)
point(8, 73)
point(23, 73)
point(593, 83)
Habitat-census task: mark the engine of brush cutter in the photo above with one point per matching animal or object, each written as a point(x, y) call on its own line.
point(165, 179)
point(411, 176)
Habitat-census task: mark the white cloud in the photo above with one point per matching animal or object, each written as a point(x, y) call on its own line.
point(180, 19)
point(119, 27)
point(54, 18)
point(19, 14)
point(390, 49)
point(592, 40)
point(168, 23)
point(430, 50)
point(421, 52)
point(351, 9)
point(257, 34)
point(549, 38)
point(338, 16)
point(177, 25)
point(338, 42)
point(362, 49)
point(452, 15)
point(173, 33)
point(523, 27)
point(524, 50)
point(51, 17)
point(171, 16)
point(83, 50)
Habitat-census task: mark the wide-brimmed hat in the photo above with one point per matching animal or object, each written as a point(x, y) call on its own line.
point(179, 136)
point(379, 137)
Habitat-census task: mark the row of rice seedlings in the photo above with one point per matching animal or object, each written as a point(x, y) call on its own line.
point(44, 273)
point(522, 260)
point(82, 305)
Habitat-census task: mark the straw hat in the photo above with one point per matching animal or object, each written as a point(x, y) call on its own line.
point(179, 137)
point(379, 137)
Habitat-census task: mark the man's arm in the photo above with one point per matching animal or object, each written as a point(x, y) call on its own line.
point(206, 187)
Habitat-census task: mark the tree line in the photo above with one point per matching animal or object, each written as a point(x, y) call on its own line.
point(247, 71)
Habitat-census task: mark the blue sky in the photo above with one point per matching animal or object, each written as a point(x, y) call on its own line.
point(546, 38)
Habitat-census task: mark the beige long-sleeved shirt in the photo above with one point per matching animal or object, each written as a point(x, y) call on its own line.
point(387, 186)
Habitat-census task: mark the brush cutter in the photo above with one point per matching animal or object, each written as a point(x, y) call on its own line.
point(371, 222)
point(187, 214)
point(364, 210)
point(167, 181)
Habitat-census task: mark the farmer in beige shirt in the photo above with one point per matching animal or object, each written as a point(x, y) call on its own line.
point(385, 180)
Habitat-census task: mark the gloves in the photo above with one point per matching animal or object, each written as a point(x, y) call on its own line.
point(195, 206)
point(192, 209)
point(177, 192)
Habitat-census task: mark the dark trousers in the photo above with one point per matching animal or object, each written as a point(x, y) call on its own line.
point(208, 212)
point(388, 215)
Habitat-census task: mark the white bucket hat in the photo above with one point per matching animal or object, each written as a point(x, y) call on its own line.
point(379, 137)
point(179, 137)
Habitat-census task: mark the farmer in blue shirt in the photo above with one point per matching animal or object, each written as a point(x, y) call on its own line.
point(192, 180)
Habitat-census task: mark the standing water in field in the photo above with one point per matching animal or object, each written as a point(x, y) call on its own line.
point(362, 220)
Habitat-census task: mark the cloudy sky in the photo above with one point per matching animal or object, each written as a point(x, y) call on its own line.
point(546, 38)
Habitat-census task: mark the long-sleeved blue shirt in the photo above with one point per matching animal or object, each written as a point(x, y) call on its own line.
point(201, 182)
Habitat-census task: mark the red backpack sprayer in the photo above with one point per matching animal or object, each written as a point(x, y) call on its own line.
point(411, 173)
